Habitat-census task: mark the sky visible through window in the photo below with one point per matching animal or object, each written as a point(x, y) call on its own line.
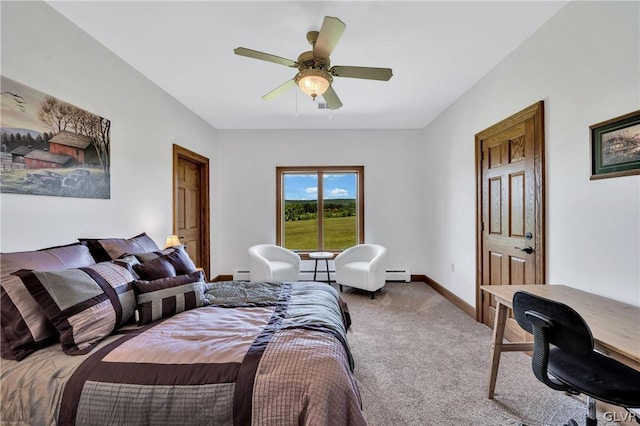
point(305, 186)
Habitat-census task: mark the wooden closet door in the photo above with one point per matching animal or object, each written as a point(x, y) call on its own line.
point(191, 204)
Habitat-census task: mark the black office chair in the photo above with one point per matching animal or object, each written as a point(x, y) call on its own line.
point(574, 365)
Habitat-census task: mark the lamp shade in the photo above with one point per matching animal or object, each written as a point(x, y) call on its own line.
point(313, 82)
point(172, 241)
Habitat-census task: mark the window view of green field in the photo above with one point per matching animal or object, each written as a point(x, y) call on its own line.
point(301, 224)
point(339, 224)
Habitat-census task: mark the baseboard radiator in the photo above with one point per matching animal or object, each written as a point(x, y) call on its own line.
point(321, 275)
point(305, 275)
point(241, 275)
point(397, 275)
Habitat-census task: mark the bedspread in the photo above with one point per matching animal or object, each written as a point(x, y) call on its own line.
point(260, 353)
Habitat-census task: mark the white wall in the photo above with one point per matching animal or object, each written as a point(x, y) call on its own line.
point(42, 49)
point(420, 185)
point(584, 63)
point(246, 201)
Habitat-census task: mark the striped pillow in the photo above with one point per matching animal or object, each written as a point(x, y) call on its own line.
point(165, 297)
point(25, 328)
point(84, 304)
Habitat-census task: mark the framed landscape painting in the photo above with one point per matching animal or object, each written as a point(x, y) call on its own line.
point(50, 147)
point(615, 147)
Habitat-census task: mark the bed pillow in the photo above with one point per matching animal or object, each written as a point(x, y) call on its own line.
point(84, 304)
point(149, 256)
point(176, 257)
point(104, 249)
point(181, 261)
point(129, 262)
point(155, 269)
point(168, 296)
point(24, 327)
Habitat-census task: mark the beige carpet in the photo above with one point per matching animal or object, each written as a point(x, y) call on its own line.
point(419, 360)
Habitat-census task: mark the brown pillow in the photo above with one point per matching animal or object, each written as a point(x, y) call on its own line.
point(147, 257)
point(181, 261)
point(25, 328)
point(104, 249)
point(155, 269)
point(177, 257)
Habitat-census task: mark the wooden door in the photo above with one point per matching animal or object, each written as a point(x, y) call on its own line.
point(191, 204)
point(510, 166)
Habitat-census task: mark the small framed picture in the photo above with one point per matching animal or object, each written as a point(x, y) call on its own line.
point(615, 147)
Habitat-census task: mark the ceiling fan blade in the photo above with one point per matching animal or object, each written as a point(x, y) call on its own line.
point(243, 51)
point(368, 73)
point(330, 33)
point(332, 99)
point(279, 90)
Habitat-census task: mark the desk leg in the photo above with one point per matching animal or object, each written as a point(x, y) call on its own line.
point(496, 349)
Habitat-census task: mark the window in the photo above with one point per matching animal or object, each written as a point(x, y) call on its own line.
point(335, 191)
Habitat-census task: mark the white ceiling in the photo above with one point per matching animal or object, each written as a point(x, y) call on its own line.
point(437, 50)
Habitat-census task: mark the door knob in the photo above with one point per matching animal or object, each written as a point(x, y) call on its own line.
point(527, 249)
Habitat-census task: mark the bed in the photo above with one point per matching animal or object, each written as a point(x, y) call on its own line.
point(223, 353)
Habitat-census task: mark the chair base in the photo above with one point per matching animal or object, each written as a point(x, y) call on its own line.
point(589, 422)
point(590, 419)
point(370, 292)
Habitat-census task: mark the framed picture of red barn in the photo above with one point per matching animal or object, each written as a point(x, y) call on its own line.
point(50, 147)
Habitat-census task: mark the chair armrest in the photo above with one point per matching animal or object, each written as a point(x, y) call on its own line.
point(377, 269)
point(378, 260)
point(292, 256)
point(259, 267)
point(283, 254)
point(295, 259)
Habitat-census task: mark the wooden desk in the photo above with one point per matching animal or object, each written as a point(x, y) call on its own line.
point(615, 325)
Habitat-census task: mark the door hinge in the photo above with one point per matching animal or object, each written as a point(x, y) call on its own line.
point(482, 227)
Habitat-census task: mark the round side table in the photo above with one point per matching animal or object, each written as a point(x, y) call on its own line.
point(319, 255)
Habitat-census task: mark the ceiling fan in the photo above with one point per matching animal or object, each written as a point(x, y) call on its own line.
point(315, 76)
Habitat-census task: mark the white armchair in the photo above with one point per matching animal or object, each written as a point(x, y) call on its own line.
point(270, 263)
point(362, 266)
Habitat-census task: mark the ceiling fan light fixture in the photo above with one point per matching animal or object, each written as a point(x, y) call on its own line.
point(313, 82)
point(315, 73)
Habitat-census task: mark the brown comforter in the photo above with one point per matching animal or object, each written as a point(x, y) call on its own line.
point(261, 354)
